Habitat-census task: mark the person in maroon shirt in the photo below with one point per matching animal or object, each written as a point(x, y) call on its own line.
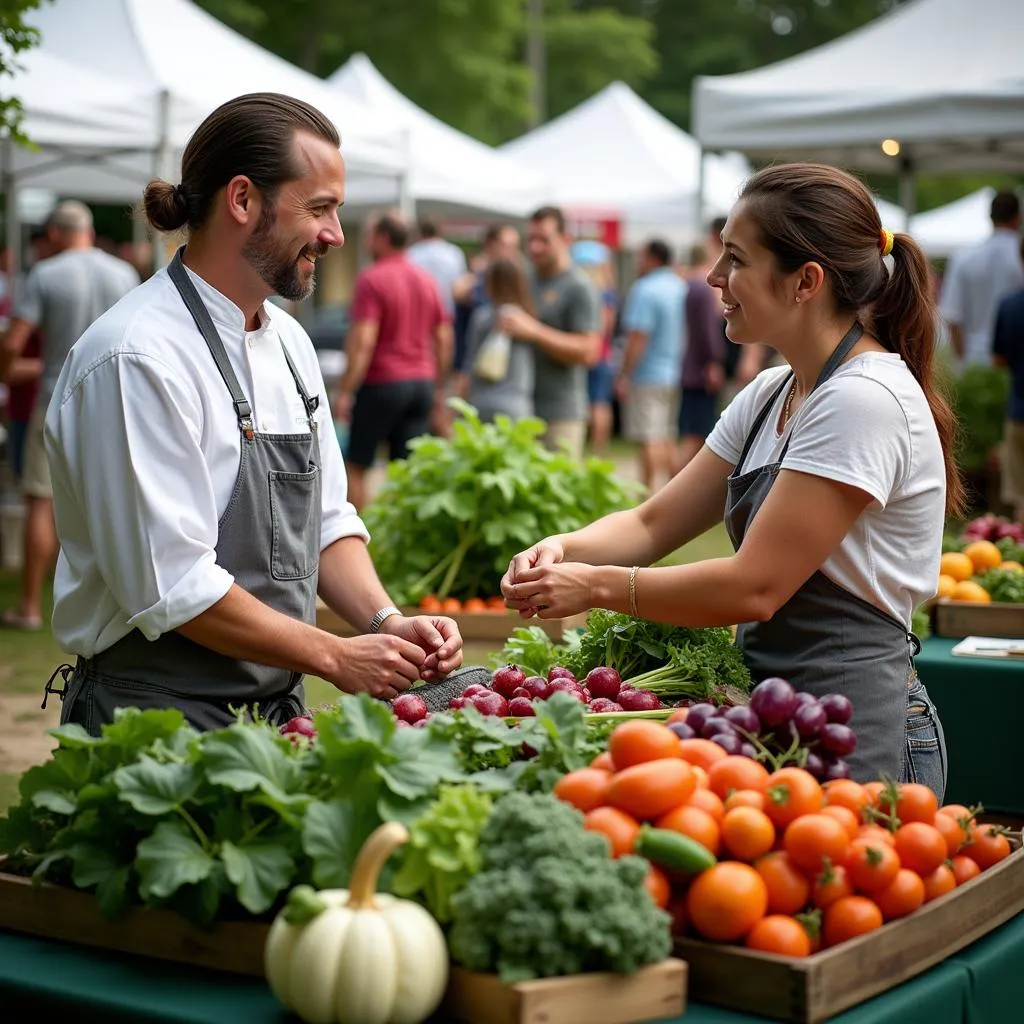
point(399, 351)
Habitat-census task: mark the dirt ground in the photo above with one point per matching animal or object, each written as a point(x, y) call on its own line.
point(23, 739)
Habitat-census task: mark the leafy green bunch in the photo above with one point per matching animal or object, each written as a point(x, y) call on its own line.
point(451, 516)
point(1004, 585)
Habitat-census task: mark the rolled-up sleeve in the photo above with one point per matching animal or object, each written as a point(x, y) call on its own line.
point(143, 489)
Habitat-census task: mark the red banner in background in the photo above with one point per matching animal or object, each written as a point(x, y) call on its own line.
point(603, 226)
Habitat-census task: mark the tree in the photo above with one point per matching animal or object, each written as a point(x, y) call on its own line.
point(16, 37)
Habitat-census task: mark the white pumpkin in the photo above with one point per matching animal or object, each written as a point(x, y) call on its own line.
point(359, 956)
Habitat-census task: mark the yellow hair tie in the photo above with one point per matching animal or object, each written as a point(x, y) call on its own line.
point(885, 242)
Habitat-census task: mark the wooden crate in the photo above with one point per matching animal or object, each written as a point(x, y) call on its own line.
point(54, 912)
point(816, 988)
point(975, 618)
point(653, 993)
point(493, 626)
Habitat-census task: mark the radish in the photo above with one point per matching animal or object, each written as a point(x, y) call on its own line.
point(301, 725)
point(457, 703)
point(507, 679)
point(474, 688)
point(403, 724)
point(604, 706)
point(521, 707)
point(422, 723)
point(522, 691)
point(537, 687)
point(409, 708)
point(638, 700)
point(561, 683)
point(604, 682)
point(492, 704)
point(558, 672)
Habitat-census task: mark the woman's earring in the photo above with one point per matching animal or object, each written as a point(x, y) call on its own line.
point(797, 299)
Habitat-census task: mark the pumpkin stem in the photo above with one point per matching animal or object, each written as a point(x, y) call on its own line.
point(383, 842)
point(303, 905)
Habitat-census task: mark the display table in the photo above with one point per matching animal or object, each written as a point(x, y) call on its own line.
point(981, 704)
point(980, 985)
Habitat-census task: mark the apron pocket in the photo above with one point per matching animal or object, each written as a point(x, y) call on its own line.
point(294, 497)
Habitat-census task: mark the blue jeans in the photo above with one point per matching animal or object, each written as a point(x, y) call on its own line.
point(925, 758)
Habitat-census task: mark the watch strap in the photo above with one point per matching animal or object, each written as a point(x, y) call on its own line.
point(385, 613)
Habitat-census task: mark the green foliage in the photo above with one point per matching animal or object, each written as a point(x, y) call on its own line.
point(921, 623)
point(16, 37)
point(551, 901)
point(1004, 585)
point(451, 516)
point(979, 398)
point(534, 651)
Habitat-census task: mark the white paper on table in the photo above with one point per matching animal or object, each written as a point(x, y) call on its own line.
point(989, 647)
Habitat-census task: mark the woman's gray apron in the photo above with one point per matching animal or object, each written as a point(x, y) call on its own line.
point(268, 539)
point(827, 640)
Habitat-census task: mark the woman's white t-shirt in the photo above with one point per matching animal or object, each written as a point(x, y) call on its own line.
point(869, 426)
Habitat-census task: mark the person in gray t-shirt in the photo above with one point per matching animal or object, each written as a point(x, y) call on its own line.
point(565, 331)
point(62, 296)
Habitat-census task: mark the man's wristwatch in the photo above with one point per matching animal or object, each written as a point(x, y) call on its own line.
point(385, 613)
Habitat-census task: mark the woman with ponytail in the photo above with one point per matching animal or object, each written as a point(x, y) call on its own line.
point(835, 472)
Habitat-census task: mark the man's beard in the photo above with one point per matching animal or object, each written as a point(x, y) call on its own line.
point(277, 267)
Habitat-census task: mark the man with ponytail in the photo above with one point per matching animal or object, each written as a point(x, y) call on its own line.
point(835, 471)
point(199, 490)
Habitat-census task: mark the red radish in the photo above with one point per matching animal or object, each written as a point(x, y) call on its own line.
point(638, 700)
point(604, 682)
point(474, 688)
point(507, 679)
point(586, 694)
point(457, 703)
point(604, 706)
point(422, 723)
point(558, 672)
point(409, 707)
point(402, 724)
point(522, 691)
point(537, 687)
point(490, 704)
point(301, 725)
point(561, 683)
point(521, 707)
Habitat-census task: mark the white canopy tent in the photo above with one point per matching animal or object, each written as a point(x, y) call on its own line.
point(943, 79)
point(614, 152)
point(957, 225)
point(450, 172)
point(118, 87)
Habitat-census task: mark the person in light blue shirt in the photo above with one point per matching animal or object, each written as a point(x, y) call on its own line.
point(647, 385)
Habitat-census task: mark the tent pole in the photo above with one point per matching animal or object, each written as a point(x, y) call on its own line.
point(908, 191)
point(162, 167)
point(698, 220)
point(406, 200)
point(12, 228)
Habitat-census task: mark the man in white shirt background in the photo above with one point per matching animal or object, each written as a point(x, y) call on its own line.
point(199, 489)
point(444, 261)
point(978, 279)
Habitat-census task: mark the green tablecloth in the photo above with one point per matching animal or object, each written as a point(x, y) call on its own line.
point(981, 704)
point(978, 986)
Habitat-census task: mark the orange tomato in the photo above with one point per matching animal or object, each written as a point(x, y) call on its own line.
point(451, 606)
point(735, 772)
point(939, 882)
point(873, 790)
point(846, 793)
point(657, 886)
point(695, 823)
point(876, 834)
point(779, 934)
point(678, 715)
point(987, 846)
point(788, 889)
point(707, 801)
point(700, 774)
point(962, 814)
point(849, 917)
point(430, 604)
point(649, 790)
point(603, 761)
point(902, 896)
point(920, 847)
point(747, 833)
point(832, 883)
point(791, 793)
point(726, 901)
point(916, 803)
point(585, 788)
point(616, 826)
point(639, 741)
point(496, 604)
point(844, 816)
point(812, 838)
point(702, 753)
point(474, 606)
point(964, 869)
point(745, 798)
point(951, 831)
point(871, 865)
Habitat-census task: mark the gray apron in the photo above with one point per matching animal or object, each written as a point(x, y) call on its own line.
point(268, 539)
point(825, 639)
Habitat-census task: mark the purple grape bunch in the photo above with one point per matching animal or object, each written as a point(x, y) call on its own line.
point(790, 727)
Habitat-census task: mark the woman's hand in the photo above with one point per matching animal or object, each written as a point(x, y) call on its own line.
point(552, 591)
point(545, 552)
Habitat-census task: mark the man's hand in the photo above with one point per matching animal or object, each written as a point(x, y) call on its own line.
point(437, 638)
point(714, 378)
point(519, 324)
point(342, 408)
point(545, 552)
point(382, 666)
point(552, 591)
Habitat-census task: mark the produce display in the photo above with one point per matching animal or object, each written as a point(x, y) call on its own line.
point(450, 517)
point(984, 563)
point(740, 853)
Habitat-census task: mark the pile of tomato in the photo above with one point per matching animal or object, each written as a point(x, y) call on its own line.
point(431, 604)
point(773, 859)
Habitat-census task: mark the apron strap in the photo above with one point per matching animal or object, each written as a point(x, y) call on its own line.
point(187, 290)
point(311, 403)
point(759, 422)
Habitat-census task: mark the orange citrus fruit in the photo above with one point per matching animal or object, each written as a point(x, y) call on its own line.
point(946, 586)
point(1015, 566)
point(968, 590)
point(983, 555)
point(957, 565)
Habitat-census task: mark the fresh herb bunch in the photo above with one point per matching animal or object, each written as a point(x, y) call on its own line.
point(551, 901)
point(534, 651)
point(1004, 585)
point(451, 516)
